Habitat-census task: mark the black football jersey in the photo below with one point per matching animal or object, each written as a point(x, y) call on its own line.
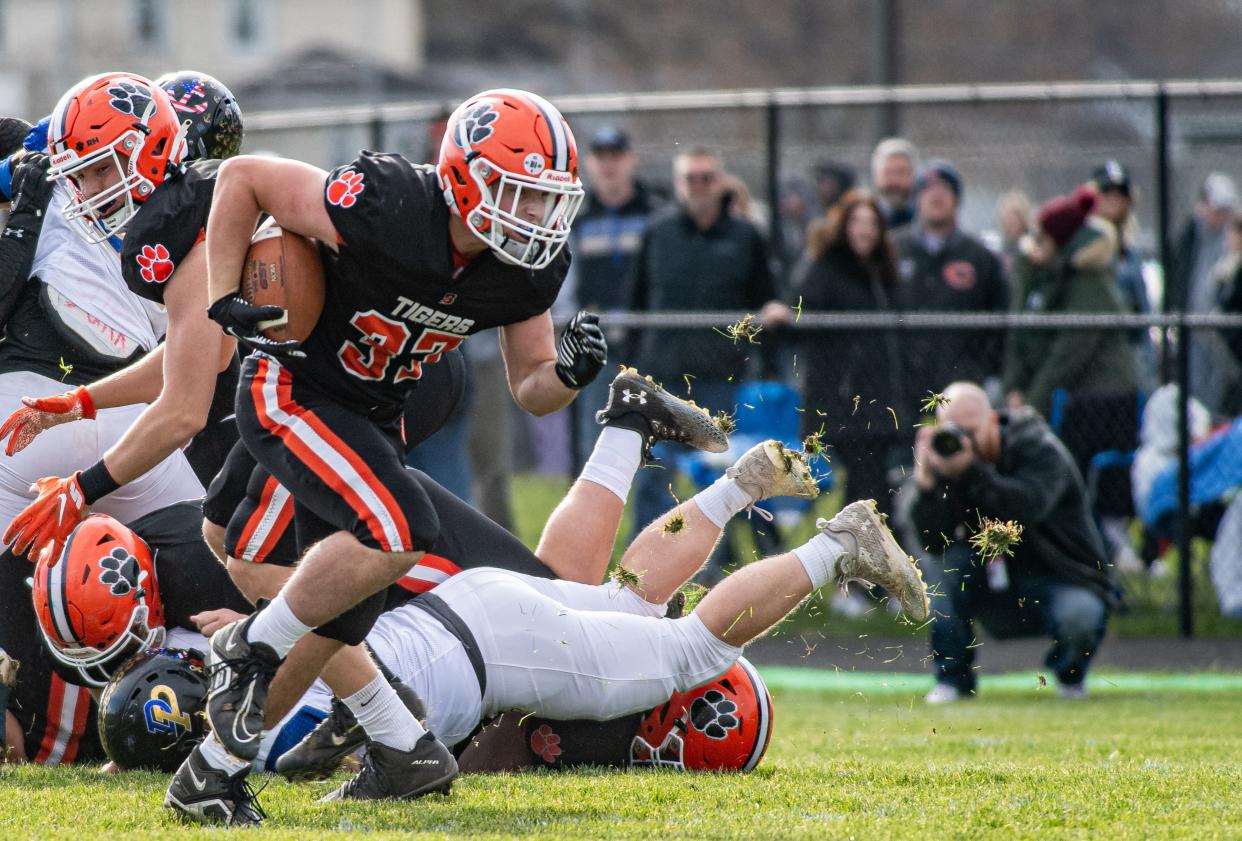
point(56, 715)
point(167, 225)
point(392, 303)
point(191, 579)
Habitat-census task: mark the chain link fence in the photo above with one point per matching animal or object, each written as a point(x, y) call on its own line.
point(1044, 139)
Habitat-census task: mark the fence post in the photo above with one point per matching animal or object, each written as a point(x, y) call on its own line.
point(376, 133)
point(773, 166)
point(1185, 578)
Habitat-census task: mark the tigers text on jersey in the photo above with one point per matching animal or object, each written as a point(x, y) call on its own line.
point(393, 300)
point(167, 226)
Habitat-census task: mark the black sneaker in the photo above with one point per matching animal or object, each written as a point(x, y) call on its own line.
point(667, 418)
point(321, 751)
point(391, 774)
point(241, 673)
point(203, 794)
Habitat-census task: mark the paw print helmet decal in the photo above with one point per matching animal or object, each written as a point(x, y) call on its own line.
point(509, 169)
point(113, 139)
point(724, 725)
point(98, 603)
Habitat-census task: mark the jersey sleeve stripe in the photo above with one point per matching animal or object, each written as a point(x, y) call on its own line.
point(328, 457)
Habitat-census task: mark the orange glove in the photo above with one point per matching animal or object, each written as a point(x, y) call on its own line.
point(40, 413)
point(44, 525)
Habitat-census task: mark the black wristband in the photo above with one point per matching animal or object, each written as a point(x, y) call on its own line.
point(96, 481)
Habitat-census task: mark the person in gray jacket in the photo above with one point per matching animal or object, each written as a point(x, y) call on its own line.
point(978, 465)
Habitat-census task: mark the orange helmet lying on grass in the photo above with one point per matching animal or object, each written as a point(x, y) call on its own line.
point(724, 725)
point(98, 603)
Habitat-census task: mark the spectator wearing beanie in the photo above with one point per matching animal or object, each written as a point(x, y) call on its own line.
point(1068, 266)
point(942, 268)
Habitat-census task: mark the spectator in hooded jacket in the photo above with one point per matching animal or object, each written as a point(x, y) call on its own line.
point(853, 378)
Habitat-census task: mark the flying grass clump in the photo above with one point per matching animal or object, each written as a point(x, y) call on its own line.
point(933, 402)
point(996, 538)
point(692, 594)
point(813, 446)
point(747, 328)
point(725, 422)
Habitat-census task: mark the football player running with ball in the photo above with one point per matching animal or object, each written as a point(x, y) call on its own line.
point(416, 259)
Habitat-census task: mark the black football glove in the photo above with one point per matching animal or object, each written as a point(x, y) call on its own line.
point(582, 351)
point(242, 320)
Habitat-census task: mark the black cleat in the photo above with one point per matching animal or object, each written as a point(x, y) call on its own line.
point(321, 751)
point(391, 774)
point(204, 794)
point(667, 417)
point(241, 673)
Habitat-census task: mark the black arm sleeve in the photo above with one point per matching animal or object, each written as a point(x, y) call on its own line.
point(32, 193)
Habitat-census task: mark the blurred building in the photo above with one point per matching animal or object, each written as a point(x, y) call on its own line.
point(267, 50)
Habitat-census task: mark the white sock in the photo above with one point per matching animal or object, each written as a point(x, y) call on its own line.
point(721, 500)
point(219, 758)
point(385, 719)
point(616, 458)
point(819, 557)
point(277, 626)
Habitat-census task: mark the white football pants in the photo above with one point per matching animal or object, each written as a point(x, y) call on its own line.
point(566, 650)
point(64, 449)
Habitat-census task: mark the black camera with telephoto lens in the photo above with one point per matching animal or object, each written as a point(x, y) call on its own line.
point(947, 441)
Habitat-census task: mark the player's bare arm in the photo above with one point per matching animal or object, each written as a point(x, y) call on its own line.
point(181, 409)
point(529, 350)
point(291, 192)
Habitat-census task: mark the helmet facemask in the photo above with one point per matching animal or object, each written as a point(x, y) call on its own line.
point(670, 753)
point(95, 221)
point(513, 239)
point(96, 666)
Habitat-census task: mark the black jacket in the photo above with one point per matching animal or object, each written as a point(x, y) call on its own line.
point(964, 276)
point(679, 267)
point(604, 242)
point(1035, 483)
point(841, 365)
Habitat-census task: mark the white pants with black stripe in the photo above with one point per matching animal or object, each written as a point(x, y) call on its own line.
point(64, 449)
point(553, 648)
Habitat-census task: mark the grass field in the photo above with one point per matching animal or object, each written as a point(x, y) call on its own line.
point(1146, 757)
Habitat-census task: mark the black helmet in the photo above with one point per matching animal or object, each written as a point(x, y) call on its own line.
point(215, 120)
point(152, 713)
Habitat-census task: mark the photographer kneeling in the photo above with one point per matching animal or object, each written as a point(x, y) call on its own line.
point(979, 464)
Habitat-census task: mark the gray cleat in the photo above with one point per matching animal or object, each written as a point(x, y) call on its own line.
point(873, 556)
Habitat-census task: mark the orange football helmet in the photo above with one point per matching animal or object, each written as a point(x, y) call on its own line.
point(498, 147)
point(98, 604)
point(119, 118)
point(724, 725)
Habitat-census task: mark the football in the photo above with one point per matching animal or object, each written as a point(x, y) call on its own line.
point(283, 269)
